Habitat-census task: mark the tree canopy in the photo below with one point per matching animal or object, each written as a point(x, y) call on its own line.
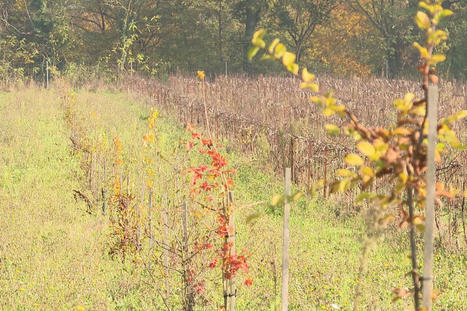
point(159, 37)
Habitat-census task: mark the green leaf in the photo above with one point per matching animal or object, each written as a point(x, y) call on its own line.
point(422, 20)
point(252, 217)
point(297, 196)
point(252, 52)
point(354, 159)
point(363, 196)
point(332, 129)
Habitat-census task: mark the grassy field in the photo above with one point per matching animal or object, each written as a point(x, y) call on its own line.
point(54, 255)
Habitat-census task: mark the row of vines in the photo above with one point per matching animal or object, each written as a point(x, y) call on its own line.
point(170, 209)
point(271, 118)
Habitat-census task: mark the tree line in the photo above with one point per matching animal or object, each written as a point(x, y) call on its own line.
point(160, 37)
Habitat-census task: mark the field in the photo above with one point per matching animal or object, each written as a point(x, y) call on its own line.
point(71, 159)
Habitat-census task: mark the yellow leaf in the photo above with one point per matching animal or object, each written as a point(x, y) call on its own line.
point(306, 76)
point(338, 108)
point(276, 199)
point(368, 171)
point(437, 58)
point(419, 110)
point(461, 114)
point(401, 131)
point(419, 222)
point(344, 173)
point(312, 86)
point(332, 129)
point(426, 6)
point(423, 50)
point(364, 196)
point(366, 148)
point(354, 159)
point(279, 50)
point(201, 74)
point(422, 20)
point(273, 45)
point(297, 196)
point(403, 177)
point(252, 52)
point(328, 112)
point(386, 220)
point(293, 68)
point(258, 38)
point(288, 59)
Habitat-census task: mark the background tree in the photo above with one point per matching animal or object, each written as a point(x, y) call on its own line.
point(159, 37)
point(299, 20)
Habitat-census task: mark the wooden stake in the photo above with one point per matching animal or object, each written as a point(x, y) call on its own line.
point(325, 170)
point(189, 298)
point(150, 219)
point(309, 166)
point(230, 291)
point(291, 158)
point(104, 199)
point(430, 197)
point(140, 215)
point(286, 242)
point(165, 242)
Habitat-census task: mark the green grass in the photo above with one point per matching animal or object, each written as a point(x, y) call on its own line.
point(54, 256)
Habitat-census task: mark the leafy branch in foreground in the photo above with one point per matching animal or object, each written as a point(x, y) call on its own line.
point(396, 155)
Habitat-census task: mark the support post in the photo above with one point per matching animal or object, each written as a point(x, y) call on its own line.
point(430, 197)
point(286, 242)
point(231, 290)
point(325, 171)
point(166, 243)
point(46, 74)
point(150, 219)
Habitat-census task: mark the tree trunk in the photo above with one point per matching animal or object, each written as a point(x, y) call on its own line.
point(252, 19)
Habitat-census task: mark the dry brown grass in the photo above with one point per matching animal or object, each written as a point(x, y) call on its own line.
point(271, 118)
